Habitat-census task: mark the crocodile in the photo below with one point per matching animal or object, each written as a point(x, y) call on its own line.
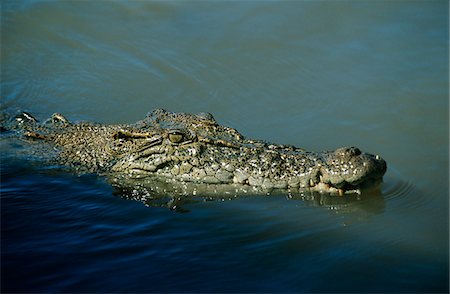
point(195, 148)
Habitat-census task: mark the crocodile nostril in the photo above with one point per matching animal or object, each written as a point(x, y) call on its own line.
point(354, 151)
point(348, 151)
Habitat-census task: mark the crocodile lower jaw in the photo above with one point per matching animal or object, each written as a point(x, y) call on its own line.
point(319, 187)
point(348, 189)
point(326, 188)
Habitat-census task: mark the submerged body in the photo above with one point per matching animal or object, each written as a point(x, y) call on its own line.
point(195, 148)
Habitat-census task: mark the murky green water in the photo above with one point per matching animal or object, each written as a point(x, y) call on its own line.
point(315, 74)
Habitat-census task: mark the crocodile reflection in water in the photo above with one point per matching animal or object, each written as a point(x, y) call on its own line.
point(179, 196)
point(195, 148)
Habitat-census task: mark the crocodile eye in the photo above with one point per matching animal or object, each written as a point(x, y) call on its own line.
point(176, 137)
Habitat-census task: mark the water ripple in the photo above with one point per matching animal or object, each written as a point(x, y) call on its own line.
point(400, 192)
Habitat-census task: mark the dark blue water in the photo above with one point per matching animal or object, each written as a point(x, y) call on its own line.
point(63, 233)
point(318, 75)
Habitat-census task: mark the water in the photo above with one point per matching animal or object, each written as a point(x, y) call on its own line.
point(319, 75)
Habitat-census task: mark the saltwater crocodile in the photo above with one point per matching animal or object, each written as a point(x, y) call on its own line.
point(195, 148)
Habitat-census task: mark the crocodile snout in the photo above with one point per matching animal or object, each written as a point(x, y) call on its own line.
point(348, 166)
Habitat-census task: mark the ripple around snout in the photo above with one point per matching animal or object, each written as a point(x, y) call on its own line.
point(399, 191)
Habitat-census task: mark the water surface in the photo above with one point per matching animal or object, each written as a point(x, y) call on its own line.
point(319, 75)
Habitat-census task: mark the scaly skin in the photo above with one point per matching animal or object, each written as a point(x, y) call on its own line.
point(195, 148)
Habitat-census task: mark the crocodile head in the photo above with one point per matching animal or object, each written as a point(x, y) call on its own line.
point(195, 148)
